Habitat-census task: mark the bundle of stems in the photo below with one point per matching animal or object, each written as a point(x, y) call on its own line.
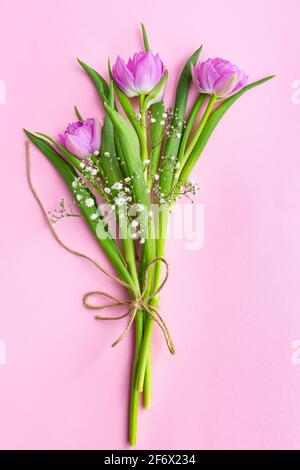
point(151, 151)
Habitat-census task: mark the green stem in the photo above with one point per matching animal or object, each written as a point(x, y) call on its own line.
point(196, 136)
point(143, 139)
point(129, 252)
point(146, 343)
point(148, 252)
point(189, 126)
point(147, 390)
point(134, 399)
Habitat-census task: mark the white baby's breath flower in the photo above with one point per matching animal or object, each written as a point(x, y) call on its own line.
point(106, 154)
point(153, 120)
point(147, 162)
point(119, 200)
point(134, 235)
point(164, 115)
point(79, 197)
point(107, 190)
point(94, 216)
point(127, 179)
point(117, 186)
point(140, 207)
point(156, 177)
point(94, 172)
point(134, 223)
point(142, 241)
point(89, 169)
point(177, 165)
point(81, 165)
point(89, 202)
point(96, 153)
point(162, 123)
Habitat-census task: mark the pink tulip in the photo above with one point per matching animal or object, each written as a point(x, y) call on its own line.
point(218, 77)
point(141, 74)
point(82, 138)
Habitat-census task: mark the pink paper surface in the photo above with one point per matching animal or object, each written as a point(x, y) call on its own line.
point(233, 307)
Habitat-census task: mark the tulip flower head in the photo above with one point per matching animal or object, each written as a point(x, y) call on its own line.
point(218, 77)
point(82, 138)
point(140, 75)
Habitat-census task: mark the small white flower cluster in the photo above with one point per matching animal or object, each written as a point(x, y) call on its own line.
point(135, 231)
point(172, 123)
point(88, 168)
point(61, 213)
point(81, 197)
point(160, 197)
point(194, 187)
point(138, 116)
point(157, 117)
point(120, 191)
point(190, 188)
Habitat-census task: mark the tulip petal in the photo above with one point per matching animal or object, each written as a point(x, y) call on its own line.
point(96, 135)
point(225, 85)
point(124, 77)
point(76, 146)
point(146, 74)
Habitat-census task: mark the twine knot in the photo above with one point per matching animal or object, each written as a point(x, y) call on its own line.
point(138, 302)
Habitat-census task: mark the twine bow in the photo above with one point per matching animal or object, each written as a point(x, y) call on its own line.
point(138, 302)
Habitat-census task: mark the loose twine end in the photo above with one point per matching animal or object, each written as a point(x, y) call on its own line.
point(138, 302)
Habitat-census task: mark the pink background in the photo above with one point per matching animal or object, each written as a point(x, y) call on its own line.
point(232, 384)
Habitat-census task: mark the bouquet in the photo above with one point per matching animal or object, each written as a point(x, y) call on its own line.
point(131, 169)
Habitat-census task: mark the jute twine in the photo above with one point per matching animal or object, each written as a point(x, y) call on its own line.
point(138, 302)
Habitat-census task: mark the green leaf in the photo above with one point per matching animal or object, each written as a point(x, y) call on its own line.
point(76, 164)
point(211, 124)
point(71, 158)
point(130, 147)
point(145, 38)
point(64, 168)
point(189, 125)
point(156, 90)
point(77, 112)
point(109, 164)
point(173, 142)
point(129, 111)
point(111, 167)
point(69, 175)
point(99, 82)
point(156, 135)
